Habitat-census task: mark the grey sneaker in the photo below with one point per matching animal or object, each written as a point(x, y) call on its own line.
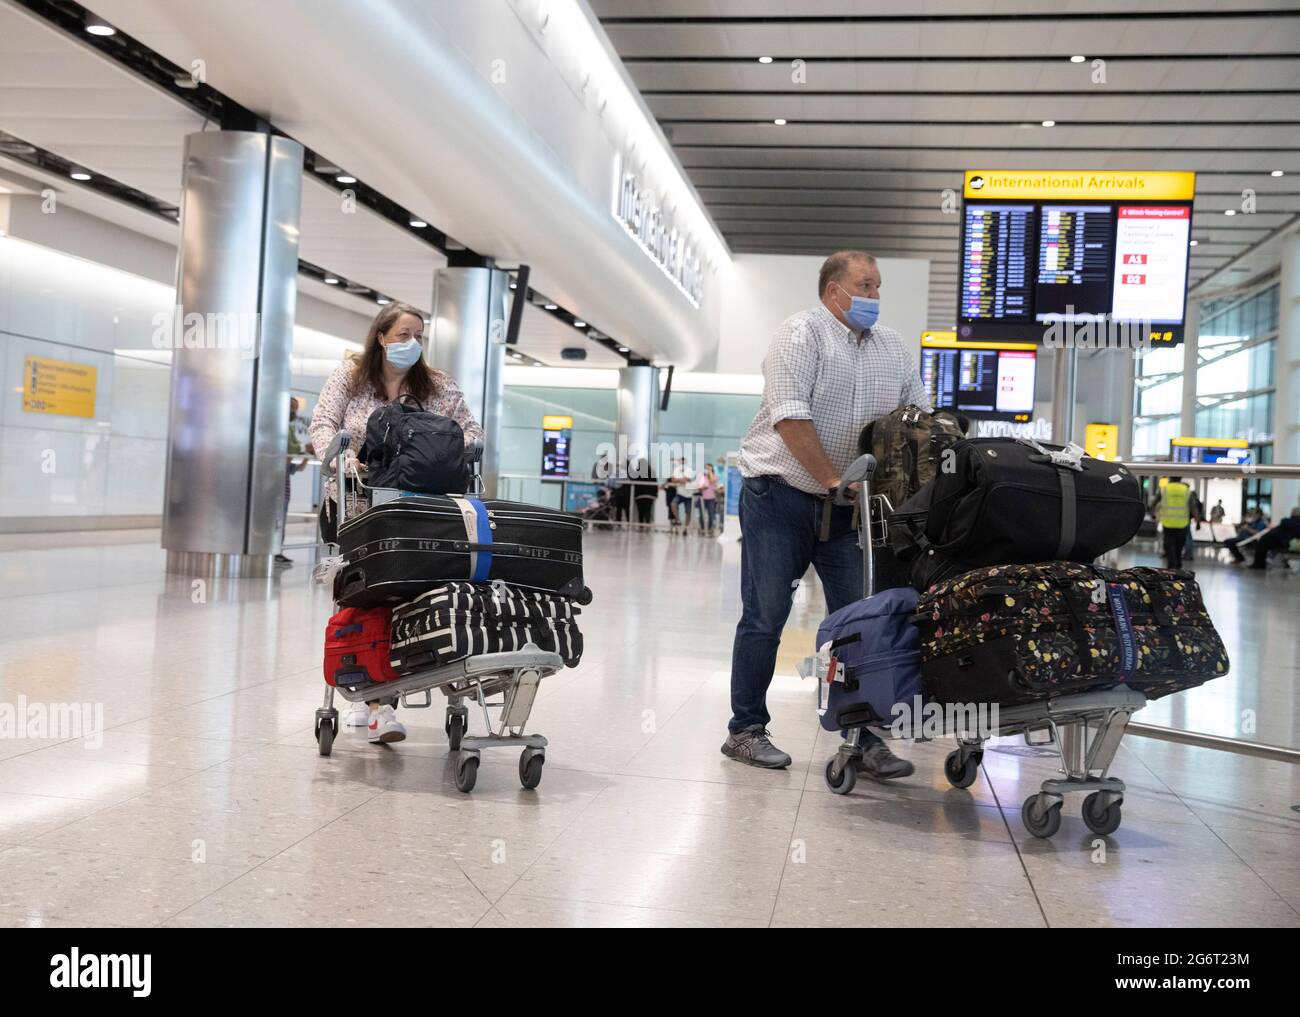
point(753, 746)
point(881, 764)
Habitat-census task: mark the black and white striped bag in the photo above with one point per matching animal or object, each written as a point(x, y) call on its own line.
point(458, 620)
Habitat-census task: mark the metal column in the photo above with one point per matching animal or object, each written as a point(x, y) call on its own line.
point(638, 413)
point(230, 338)
point(1064, 383)
point(467, 340)
point(1286, 374)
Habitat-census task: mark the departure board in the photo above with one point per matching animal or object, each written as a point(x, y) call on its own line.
point(1089, 258)
point(996, 279)
point(1074, 262)
point(981, 381)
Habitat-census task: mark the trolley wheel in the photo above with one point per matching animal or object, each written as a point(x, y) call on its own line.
point(467, 773)
point(530, 768)
point(1040, 820)
point(959, 775)
point(325, 732)
point(455, 728)
point(848, 777)
point(1101, 820)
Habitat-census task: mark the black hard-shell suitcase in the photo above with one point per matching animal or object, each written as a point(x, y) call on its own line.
point(398, 550)
point(459, 620)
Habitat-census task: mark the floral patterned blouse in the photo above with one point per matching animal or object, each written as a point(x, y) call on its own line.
point(343, 404)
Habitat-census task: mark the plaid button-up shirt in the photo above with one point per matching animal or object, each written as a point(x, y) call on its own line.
point(819, 369)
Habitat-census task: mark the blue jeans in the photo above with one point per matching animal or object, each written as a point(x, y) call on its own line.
point(779, 527)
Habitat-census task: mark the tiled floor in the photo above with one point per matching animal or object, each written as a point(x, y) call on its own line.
point(206, 803)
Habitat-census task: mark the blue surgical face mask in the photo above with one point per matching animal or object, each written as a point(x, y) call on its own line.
point(403, 355)
point(863, 312)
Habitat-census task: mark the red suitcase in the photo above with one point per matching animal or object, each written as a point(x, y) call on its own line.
point(357, 646)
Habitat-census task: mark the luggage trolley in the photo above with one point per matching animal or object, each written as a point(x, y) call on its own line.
point(1086, 728)
point(515, 675)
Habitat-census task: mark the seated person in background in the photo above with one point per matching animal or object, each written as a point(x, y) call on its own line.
point(1252, 524)
point(1277, 537)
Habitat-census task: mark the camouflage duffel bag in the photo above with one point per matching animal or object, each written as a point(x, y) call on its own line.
point(1014, 634)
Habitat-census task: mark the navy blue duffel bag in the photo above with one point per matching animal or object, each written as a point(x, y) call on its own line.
point(880, 649)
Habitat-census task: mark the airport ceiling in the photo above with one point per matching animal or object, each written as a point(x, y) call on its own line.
point(895, 101)
point(62, 97)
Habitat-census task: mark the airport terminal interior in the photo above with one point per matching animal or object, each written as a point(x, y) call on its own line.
point(603, 235)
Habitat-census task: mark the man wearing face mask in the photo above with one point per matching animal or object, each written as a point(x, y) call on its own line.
point(828, 372)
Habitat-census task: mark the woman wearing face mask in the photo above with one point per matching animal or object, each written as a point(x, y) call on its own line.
point(390, 367)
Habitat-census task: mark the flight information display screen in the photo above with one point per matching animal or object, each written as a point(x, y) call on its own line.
point(1035, 257)
point(981, 381)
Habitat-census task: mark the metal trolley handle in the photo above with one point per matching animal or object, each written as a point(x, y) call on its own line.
point(859, 472)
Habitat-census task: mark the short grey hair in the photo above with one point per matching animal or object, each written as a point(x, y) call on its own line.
point(836, 267)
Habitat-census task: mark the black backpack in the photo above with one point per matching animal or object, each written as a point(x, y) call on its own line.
point(410, 449)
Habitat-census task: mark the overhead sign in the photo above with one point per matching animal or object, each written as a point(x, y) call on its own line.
point(641, 213)
point(60, 387)
point(557, 434)
point(949, 341)
point(1083, 185)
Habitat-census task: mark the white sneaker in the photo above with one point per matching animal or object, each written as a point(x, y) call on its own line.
point(384, 726)
point(358, 715)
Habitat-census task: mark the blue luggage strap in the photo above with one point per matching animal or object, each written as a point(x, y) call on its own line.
point(482, 566)
point(1123, 629)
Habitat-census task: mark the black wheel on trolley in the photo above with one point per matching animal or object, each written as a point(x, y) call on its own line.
point(1040, 818)
point(959, 774)
point(531, 762)
point(467, 774)
point(848, 777)
point(326, 729)
point(1101, 819)
point(455, 730)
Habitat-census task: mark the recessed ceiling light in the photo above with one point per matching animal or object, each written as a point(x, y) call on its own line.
point(1229, 211)
point(381, 301)
point(764, 60)
point(345, 179)
point(99, 28)
point(779, 121)
point(1276, 173)
point(1194, 243)
point(550, 307)
point(1049, 123)
point(579, 324)
point(1077, 59)
point(622, 349)
point(418, 224)
point(331, 281)
point(80, 175)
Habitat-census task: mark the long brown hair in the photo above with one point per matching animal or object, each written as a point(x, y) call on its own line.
point(419, 381)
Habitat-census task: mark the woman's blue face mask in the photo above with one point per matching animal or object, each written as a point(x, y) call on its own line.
point(404, 354)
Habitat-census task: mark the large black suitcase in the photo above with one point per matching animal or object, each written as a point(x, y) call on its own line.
point(1021, 633)
point(398, 550)
point(1006, 501)
point(459, 620)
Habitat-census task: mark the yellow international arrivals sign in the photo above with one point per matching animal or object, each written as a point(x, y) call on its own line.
point(1080, 185)
point(556, 423)
point(59, 386)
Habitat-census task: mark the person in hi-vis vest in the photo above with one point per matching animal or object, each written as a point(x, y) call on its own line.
point(1173, 509)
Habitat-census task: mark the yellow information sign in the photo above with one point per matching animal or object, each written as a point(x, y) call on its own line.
point(1194, 442)
point(59, 386)
point(1081, 185)
point(1101, 441)
point(949, 341)
point(556, 423)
